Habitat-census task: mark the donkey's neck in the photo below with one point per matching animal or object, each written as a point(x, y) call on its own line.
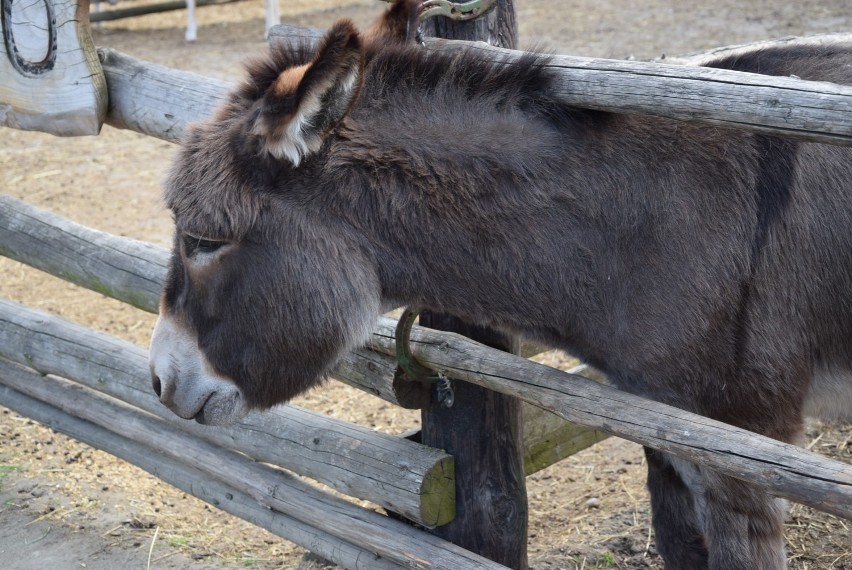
point(487, 199)
point(452, 199)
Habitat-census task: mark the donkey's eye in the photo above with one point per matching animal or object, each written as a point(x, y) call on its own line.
point(198, 245)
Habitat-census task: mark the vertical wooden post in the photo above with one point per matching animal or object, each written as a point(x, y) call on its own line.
point(482, 429)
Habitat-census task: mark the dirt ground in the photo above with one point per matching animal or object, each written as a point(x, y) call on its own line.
point(64, 505)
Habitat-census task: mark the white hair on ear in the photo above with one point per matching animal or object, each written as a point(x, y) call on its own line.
point(323, 89)
point(294, 143)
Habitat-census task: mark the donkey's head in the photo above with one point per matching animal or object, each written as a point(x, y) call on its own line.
point(265, 292)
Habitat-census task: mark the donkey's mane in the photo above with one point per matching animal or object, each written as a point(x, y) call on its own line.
point(391, 68)
point(411, 67)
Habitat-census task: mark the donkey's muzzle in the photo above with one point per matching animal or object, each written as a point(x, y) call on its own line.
point(156, 384)
point(186, 383)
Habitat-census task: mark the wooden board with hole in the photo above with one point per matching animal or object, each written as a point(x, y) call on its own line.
point(50, 76)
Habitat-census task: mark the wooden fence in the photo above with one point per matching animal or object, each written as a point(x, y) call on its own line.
point(97, 389)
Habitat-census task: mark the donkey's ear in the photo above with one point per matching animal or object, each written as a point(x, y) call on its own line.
point(306, 102)
point(398, 25)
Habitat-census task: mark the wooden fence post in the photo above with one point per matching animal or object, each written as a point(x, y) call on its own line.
point(482, 429)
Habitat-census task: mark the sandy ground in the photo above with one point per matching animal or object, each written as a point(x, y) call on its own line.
point(64, 505)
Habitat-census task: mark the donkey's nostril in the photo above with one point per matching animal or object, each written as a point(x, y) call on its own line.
point(155, 382)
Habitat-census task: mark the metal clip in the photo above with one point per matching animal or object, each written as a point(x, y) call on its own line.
point(446, 395)
point(455, 11)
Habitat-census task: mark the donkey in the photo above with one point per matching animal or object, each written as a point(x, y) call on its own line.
point(705, 268)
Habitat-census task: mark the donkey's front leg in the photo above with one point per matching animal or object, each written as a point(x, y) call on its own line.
point(677, 504)
point(743, 525)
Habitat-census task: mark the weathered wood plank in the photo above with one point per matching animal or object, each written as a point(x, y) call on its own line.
point(784, 470)
point(188, 479)
point(156, 100)
point(50, 77)
point(483, 431)
point(789, 107)
point(277, 490)
point(122, 268)
point(549, 439)
point(410, 479)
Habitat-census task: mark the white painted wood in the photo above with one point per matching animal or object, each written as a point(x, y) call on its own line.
point(50, 76)
point(273, 15)
point(191, 24)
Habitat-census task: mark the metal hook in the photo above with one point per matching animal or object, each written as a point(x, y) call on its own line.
point(409, 368)
point(455, 11)
point(407, 364)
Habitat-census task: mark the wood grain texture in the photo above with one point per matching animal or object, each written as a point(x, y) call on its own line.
point(185, 477)
point(483, 431)
point(784, 470)
point(784, 106)
point(548, 438)
point(405, 477)
point(122, 268)
point(382, 537)
point(156, 100)
point(50, 77)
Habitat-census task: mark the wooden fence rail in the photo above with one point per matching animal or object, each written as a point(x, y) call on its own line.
point(782, 469)
point(785, 470)
point(159, 101)
point(407, 478)
point(786, 106)
point(185, 477)
point(122, 268)
point(378, 538)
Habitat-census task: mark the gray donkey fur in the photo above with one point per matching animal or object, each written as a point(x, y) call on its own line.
point(705, 268)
